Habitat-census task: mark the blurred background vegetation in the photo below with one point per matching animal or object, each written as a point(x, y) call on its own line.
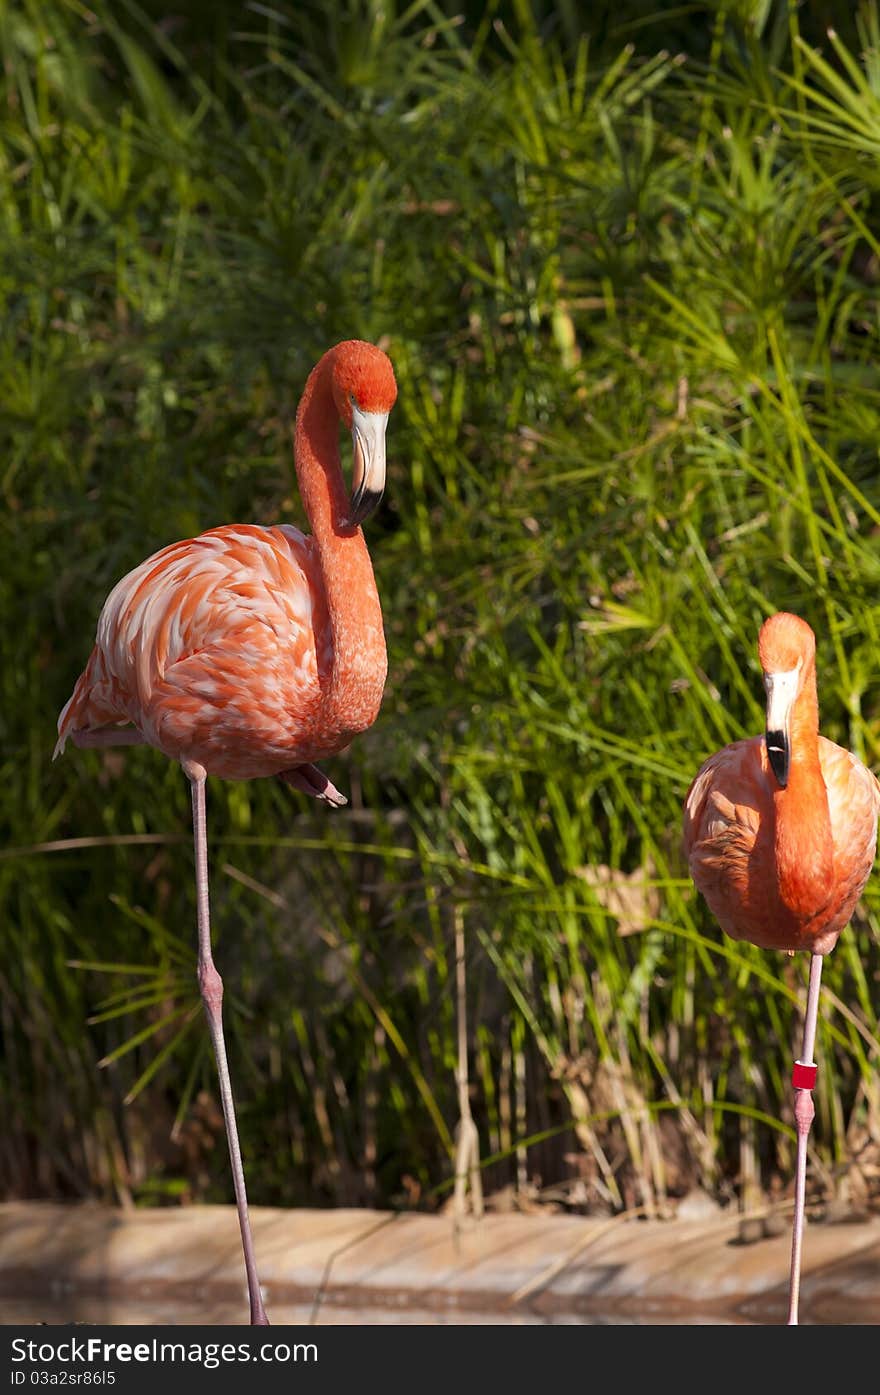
point(626, 262)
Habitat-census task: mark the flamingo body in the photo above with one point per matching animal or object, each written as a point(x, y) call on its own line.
point(730, 845)
point(219, 650)
point(253, 651)
point(780, 834)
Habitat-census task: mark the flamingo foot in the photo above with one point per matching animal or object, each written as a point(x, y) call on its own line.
point(313, 781)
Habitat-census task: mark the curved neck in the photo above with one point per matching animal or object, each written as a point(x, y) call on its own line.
point(353, 609)
point(316, 457)
point(803, 842)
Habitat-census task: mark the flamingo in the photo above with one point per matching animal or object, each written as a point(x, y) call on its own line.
point(254, 651)
point(780, 834)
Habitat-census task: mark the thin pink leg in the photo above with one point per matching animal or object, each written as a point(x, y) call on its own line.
point(211, 986)
point(803, 1078)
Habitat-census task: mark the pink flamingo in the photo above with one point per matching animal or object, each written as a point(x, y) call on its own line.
point(252, 651)
point(780, 833)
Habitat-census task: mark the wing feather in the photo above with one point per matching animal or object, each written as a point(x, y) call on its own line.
point(179, 638)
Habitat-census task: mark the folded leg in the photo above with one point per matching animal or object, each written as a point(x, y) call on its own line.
point(313, 781)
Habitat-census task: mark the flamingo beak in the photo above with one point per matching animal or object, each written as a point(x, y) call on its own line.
point(368, 469)
point(782, 689)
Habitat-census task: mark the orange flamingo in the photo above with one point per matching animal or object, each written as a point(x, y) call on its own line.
point(780, 833)
point(252, 651)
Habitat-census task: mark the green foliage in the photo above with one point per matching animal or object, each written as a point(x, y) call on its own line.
point(630, 288)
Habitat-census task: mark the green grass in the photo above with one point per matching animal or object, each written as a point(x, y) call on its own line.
point(629, 281)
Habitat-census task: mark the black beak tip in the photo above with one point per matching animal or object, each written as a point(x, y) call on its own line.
point(363, 504)
point(777, 754)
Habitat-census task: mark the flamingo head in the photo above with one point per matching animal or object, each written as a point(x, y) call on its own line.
point(364, 391)
point(787, 651)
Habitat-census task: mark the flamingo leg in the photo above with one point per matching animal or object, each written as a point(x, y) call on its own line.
point(804, 1114)
point(211, 988)
point(313, 781)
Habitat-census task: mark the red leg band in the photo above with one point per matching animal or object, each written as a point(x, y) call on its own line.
point(803, 1076)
